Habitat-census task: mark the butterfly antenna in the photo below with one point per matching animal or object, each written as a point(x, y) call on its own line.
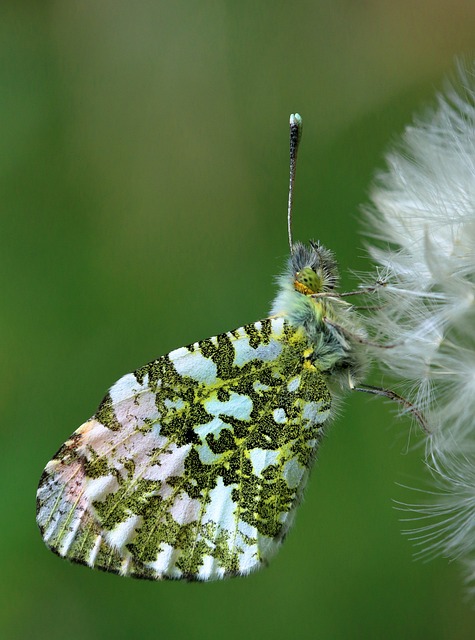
point(295, 136)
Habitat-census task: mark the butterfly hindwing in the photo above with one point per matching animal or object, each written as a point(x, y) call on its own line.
point(193, 465)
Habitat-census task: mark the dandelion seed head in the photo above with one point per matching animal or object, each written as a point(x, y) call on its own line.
point(422, 229)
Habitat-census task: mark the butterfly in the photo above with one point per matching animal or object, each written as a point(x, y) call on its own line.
point(193, 465)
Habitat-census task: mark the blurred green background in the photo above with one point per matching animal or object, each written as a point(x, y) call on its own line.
point(144, 151)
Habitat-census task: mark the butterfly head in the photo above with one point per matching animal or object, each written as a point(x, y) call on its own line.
point(314, 268)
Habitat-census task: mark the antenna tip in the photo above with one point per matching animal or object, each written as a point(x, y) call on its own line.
point(295, 120)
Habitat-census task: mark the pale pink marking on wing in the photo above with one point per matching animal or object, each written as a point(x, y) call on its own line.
point(134, 411)
point(185, 510)
point(170, 463)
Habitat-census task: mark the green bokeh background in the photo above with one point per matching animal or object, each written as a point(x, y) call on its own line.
point(143, 174)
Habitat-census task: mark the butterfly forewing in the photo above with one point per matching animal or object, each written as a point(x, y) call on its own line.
point(193, 465)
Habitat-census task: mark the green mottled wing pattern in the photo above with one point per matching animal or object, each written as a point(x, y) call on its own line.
point(194, 464)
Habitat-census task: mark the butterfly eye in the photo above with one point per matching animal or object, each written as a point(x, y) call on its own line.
point(307, 281)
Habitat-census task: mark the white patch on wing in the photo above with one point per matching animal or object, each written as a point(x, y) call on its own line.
point(214, 426)
point(210, 569)
point(194, 365)
point(125, 566)
point(238, 406)
point(170, 463)
point(279, 416)
point(311, 412)
point(126, 388)
point(293, 384)
point(185, 510)
point(259, 386)
point(262, 458)
point(246, 530)
point(221, 507)
point(123, 532)
point(69, 536)
point(96, 489)
point(165, 491)
point(243, 352)
point(94, 551)
point(249, 558)
point(140, 446)
point(293, 473)
point(277, 325)
point(134, 411)
point(96, 436)
point(206, 455)
point(165, 562)
point(174, 404)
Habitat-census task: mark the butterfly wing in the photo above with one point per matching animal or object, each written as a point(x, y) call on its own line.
point(193, 465)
